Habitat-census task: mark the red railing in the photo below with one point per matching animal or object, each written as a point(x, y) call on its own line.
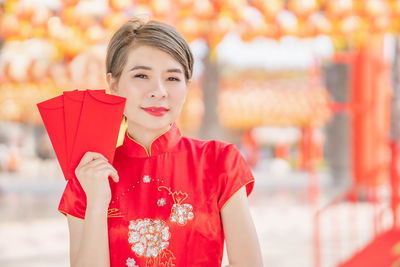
point(342, 235)
point(378, 208)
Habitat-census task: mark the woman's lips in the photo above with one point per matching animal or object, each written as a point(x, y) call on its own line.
point(156, 111)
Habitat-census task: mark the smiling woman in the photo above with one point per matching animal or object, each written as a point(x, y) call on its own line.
point(154, 84)
point(171, 200)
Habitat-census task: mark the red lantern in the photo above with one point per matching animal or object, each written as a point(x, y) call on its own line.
point(320, 23)
point(187, 3)
point(339, 8)
point(381, 24)
point(235, 7)
point(25, 10)
point(305, 29)
point(288, 23)
point(376, 8)
point(160, 8)
point(203, 9)
point(269, 8)
point(25, 30)
point(246, 31)
point(119, 5)
point(10, 26)
point(218, 4)
point(86, 21)
point(73, 43)
point(266, 29)
point(70, 2)
point(217, 30)
point(114, 20)
point(395, 7)
point(303, 8)
point(41, 16)
point(68, 15)
point(395, 25)
point(223, 24)
point(96, 34)
point(190, 28)
point(351, 25)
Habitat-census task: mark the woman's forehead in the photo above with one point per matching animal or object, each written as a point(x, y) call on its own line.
point(151, 57)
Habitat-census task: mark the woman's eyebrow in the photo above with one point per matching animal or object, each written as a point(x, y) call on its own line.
point(149, 68)
point(174, 70)
point(140, 67)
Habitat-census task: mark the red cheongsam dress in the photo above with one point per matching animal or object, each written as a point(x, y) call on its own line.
point(165, 209)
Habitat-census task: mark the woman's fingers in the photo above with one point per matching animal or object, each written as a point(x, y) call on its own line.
point(87, 158)
point(114, 175)
point(94, 160)
point(99, 163)
point(90, 156)
point(109, 171)
point(102, 167)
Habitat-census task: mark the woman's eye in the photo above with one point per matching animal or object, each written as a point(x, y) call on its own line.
point(141, 76)
point(173, 79)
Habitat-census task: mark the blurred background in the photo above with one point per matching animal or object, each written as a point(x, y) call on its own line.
point(307, 89)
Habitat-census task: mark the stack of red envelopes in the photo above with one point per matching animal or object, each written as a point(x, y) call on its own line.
point(81, 121)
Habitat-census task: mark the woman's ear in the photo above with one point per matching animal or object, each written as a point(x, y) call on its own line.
point(112, 83)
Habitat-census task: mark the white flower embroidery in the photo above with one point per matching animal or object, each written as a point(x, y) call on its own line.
point(146, 179)
point(181, 213)
point(148, 238)
point(161, 202)
point(131, 262)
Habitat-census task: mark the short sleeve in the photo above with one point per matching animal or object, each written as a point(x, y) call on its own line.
point(73, 200)
point(233, 174)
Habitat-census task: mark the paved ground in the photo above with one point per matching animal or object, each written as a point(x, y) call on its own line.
point(33, 233)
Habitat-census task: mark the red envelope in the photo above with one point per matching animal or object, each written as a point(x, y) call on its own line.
point(52, 113)
point(73, 101)
point(99, 126)
point(75, 126)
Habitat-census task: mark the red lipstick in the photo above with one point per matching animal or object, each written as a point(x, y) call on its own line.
point(156, 111)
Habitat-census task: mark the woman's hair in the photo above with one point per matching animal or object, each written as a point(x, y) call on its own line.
point(159, 35)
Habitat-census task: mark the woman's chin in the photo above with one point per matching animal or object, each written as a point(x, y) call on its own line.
point(154, 125)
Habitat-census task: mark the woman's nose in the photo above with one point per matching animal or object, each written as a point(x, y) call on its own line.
point(159, 90)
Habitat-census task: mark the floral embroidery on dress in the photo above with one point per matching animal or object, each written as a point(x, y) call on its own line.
point(161, 202)
point(146, 179)
point(112, 213)
point(131, 262)
point(180, 212)
point(148, 237)
point(165, 259)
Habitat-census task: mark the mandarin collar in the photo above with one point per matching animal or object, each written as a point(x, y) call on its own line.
point(161, 144)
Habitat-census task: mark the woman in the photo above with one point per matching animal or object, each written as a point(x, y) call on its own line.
point(171, 200)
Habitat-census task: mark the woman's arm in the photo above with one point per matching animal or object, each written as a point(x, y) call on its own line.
point(89, 245)
point(242, 243)
point(89, 239)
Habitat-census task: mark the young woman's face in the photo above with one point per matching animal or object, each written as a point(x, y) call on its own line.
point(153, 83)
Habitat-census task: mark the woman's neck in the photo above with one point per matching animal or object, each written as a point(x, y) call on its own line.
point(145, 136)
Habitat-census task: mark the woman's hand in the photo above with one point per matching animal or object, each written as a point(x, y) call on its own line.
point(92, 173)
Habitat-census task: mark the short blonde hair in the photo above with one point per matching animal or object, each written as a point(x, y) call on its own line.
point(137, 32)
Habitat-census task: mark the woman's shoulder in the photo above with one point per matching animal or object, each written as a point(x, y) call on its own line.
point(207, 145)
